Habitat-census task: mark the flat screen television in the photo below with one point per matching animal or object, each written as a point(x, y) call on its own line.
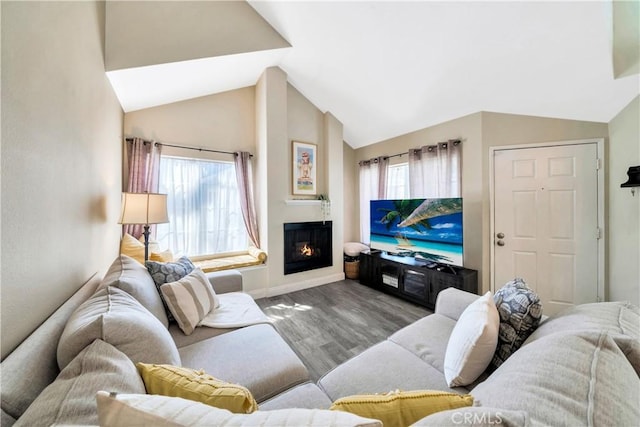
point(430, 229)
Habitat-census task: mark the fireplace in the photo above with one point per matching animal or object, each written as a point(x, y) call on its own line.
point(307, 246)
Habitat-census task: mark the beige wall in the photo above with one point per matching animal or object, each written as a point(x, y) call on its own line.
point(143, 33)
point(500, 129)
point(351, 203)
point(263, 119)
point(225, 121)
point(305, 124)
point(478, 133)
point(468, 130)
point(283, 115)
point(61, 151)
point(623, 276)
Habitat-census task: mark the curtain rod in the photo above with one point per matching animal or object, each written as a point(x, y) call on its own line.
point(453, 141)
point(184, 147)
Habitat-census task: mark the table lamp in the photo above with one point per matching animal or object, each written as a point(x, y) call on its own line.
point(145, 209)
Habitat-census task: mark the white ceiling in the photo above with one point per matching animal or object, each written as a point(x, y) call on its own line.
point(388, 68)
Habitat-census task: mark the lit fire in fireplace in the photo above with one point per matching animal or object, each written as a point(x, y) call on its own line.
point(306, 250)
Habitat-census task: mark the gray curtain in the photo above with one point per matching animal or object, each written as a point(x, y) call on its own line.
point(435, 170)
point(244, 175)
point(143, 159)
point(373, 186)
point(383, 166)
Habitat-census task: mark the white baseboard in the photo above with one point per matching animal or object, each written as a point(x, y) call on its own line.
point(297, 286)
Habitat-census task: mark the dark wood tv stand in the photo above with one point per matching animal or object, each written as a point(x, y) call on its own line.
point(412, 279)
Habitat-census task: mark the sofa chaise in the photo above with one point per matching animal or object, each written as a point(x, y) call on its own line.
point(578, 368)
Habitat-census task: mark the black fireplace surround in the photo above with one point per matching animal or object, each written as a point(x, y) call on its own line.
point(307, 246)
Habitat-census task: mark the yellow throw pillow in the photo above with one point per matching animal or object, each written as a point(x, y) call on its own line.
point(401, 408)
point(166, 256)
point(131, 247)
point(134, 248)
point(175, 381)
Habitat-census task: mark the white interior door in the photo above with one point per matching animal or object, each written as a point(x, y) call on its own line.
point(546, 222)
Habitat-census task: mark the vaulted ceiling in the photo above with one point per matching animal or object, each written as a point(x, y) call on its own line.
point(389, 68)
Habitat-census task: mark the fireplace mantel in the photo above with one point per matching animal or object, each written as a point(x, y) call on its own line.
point(302, 202)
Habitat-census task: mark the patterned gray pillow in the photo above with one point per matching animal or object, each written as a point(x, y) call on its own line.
point(167, 272)
point(520, 310)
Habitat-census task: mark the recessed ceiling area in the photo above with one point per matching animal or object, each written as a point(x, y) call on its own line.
point(153, 85)
point(389, 68)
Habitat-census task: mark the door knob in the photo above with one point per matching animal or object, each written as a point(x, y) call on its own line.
point(500, 243)
point(500, 235)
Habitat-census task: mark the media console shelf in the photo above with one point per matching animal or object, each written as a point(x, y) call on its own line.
point(411, 279)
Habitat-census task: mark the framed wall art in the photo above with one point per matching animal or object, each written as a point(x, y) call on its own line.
point(304, 168)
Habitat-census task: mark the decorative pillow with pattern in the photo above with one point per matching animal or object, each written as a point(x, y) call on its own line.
point(167, 272)
point(176, 381)
point(190, 299)
point(520, 310)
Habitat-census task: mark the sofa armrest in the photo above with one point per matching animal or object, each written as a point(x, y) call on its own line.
point(225, 281)
point(451, 302)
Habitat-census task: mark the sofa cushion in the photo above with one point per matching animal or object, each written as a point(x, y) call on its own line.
point(132, 277)
point(620, 320)
point(307, 396)
point(167, 272)
point(70, 399)
point(199, 334)
point(175, 381)
point(383, 367)
point(427, 338)
point(476, 416)
point(6, 419)
point(116, 317)
point(571, 378)
point(256, 357)
point(472, 342)
point(190, 299)
point(35, 358)
point(520, 310)
point(160, 411)
point(401, 408)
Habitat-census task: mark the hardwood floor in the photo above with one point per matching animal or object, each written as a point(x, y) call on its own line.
point(329, 324)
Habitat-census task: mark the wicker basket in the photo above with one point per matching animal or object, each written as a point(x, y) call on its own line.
point(352, 269)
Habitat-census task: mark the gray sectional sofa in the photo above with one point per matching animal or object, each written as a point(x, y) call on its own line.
point(578, 368)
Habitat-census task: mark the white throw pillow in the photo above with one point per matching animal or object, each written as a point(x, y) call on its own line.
point(190, 299)
point(115, 410)
point(472, 342)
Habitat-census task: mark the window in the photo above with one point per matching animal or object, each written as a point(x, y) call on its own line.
point(398, 181)
point(203, 206)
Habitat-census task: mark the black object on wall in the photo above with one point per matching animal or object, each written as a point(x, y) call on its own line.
point(634, 177)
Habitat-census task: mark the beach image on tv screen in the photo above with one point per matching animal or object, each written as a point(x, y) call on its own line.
point(424, 228)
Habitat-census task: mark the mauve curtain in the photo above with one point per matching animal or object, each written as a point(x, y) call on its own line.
point(434, 170)
point(373, 186)
point(143, 158)
point(244, 176)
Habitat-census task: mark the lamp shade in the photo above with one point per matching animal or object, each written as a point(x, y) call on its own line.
point(143, 208)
